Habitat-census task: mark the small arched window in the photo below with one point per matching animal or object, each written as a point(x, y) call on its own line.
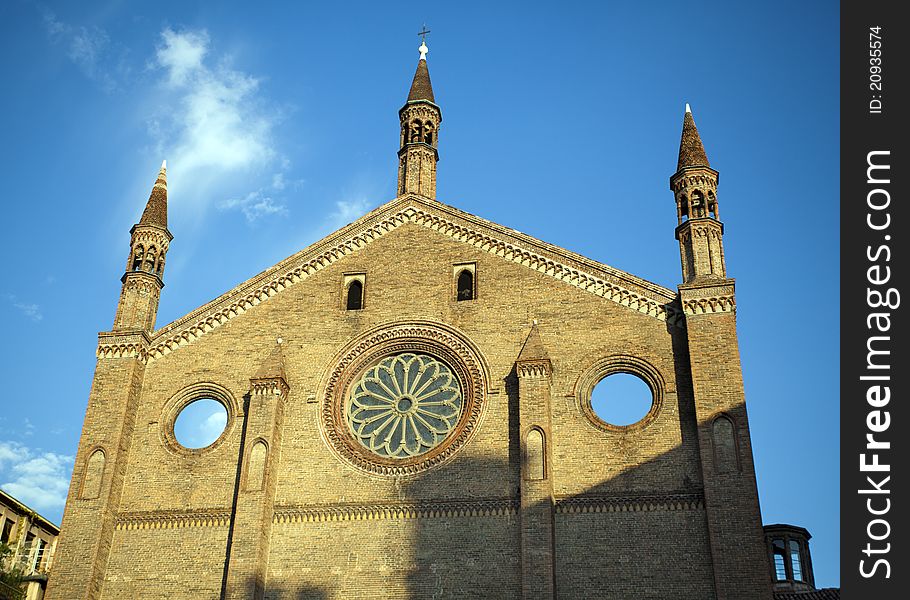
point(465, 285)
point(160, 268)
point(137, 257)
point(712, 205)
point(726, 454)
point(255, 472)
point(535, 457)
point(355, 296)
point(150, 260)
point(428, 132)
point(698, 204)
point(415, 131)
point(93, 476)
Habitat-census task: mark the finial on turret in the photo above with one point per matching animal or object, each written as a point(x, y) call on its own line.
point(423, 42)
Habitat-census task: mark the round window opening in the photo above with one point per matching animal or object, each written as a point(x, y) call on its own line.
point(200, 423)
point(621, 399)
point(404, 406)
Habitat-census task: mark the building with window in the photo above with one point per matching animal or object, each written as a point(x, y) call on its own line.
point(407, 413)
point(32, 539)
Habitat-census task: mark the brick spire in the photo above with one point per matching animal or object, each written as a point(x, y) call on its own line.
point(691, 150)
point(421, 89)
point(533, 349)
point(273, 367)
point(155, 212)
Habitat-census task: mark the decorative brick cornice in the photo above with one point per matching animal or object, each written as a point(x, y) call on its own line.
point(536, 369)
point(171, 519)
point(510, 245)
point(707, 297)
point(645, 503)
point(497, 507)
point(714, 304)
point(273, 386)
point(132, 344)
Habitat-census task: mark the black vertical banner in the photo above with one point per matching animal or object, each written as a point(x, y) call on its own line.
point(875, 226)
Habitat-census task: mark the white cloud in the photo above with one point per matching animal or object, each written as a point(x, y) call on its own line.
point(36, 478)
point(347, 211)
point(28, 309)
point(88, 47)
point(182, 54)
point(32, 311)
point(255, 206)
point(215, 125)
point(212, 427)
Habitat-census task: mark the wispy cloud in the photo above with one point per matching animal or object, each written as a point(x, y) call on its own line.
point(37, 478)
point(347, 211)
point(89, 48)
point(29, 310)
point(255, 206)
point(219, 128)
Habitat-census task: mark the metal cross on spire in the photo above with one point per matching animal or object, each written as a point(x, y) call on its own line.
point(423, 34)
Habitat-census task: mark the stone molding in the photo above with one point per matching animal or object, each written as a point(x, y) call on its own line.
point(272, 387)
point(647, 503)
point(708, 297)
point(123, 345)
point(714, 304)
point(534, 369)
point(406, 510)
point(575, 270)
point(172, 519)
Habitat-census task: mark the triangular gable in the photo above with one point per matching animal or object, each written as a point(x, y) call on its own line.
point(573, 269)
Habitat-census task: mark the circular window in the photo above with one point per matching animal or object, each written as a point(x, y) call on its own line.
point(200, 423)
point(404, 406)
point(198, 419)
point(403, 398)
point(620, 393)
point(621, 399)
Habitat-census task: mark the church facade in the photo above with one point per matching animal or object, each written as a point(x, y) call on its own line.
point(426, 431)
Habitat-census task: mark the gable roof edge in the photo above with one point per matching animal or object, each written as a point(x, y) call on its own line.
point(581, 272)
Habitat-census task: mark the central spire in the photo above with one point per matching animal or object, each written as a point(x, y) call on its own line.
point(420, 118)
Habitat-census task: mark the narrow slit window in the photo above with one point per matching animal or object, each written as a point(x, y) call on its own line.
point(780, 567)
point(355, 296)
point(465, 285)
point(795, 561)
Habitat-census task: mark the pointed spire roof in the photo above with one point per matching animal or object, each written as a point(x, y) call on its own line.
point(155, 212)
point(533, 348)
point(421, 89)
point(691, 150)
point(273, 367)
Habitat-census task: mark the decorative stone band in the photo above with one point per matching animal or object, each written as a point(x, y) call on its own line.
point(537, 369)
point(601, 504)
point(706, 297)
point(417, 510)
point(123, 345)
point(714, 304)
point(586, 275)
point(275, 387)
point(173, 519)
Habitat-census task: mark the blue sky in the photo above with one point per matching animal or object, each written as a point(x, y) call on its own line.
point(279, 123)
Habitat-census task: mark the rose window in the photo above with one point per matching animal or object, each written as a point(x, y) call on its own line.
point(404, 406)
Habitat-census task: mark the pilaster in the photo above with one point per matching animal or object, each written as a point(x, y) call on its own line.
point(741, 564)
point(84, 545)
point(538, 551)
point(251, 522)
